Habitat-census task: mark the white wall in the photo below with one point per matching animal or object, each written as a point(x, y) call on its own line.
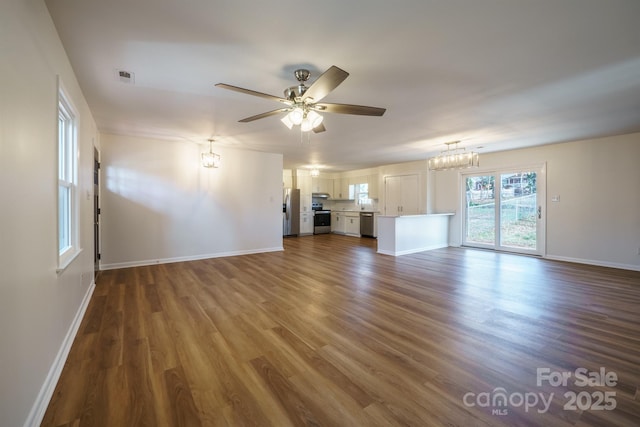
point(160, 205)
point(597, 220)
point(37, 305)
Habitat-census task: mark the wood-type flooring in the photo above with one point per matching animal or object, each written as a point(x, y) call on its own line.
point(329, 333)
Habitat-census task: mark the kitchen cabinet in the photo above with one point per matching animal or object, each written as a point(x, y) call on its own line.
point(322, 185)
point(341, 189)
point(372, 180)
point(401, 195)
point(338, 224)
point(306, 223)
point(400, 235)
point(304, 184)
point(352, 224)
point(287, 178)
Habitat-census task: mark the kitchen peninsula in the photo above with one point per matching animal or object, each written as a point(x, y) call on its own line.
point(406, 234)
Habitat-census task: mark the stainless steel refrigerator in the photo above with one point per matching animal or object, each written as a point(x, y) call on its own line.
point(291, 212)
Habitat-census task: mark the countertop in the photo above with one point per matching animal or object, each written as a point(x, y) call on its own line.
point(354, 211)
point(406, 216)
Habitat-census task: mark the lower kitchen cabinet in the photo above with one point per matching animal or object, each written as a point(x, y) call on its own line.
point(338, 224)
point(306, 222)
point(352, 225)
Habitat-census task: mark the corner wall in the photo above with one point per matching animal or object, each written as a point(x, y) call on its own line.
point(160, 205)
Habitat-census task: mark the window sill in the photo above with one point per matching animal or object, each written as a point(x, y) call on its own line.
point(67, 261)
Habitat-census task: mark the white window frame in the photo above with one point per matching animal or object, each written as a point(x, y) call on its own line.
point(361, 196)
point(67, 207)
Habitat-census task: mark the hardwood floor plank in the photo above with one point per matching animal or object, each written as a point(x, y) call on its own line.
point(316, 362)
point(161, 345)
point(249, 402)
point(330, 333)
point(184, 408)
point(297, 409)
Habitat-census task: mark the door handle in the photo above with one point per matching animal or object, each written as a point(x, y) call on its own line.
point(539, 212)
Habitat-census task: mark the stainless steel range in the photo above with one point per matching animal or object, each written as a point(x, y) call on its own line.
point(321, 219)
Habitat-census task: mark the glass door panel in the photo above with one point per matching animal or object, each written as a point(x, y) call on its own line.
point(518, 211)
point(480, 211)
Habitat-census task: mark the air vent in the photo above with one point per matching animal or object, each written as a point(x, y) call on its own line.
point(126, 77)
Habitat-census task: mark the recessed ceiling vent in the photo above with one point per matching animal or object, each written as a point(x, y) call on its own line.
point(126, 77)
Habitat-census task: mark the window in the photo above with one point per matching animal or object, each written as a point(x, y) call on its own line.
point(67, 182)
point(362, 194)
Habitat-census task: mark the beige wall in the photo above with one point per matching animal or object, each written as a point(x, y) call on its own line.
point(597, 219)
point(37, 305)
point(160, 205)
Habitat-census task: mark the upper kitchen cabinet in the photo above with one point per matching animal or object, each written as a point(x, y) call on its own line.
point(322, 185)
point(372, 180)
point(287, 178)
point(341, 189)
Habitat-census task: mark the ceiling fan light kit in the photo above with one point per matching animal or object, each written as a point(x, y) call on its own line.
point(454, 158)
point(302, 102)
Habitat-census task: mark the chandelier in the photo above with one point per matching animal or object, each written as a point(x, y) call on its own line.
point(210, 159)
point(454, 158)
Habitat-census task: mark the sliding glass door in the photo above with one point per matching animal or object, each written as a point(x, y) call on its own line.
point(503, 210)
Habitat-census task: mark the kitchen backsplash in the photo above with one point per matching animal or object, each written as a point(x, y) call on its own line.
point(349, 205)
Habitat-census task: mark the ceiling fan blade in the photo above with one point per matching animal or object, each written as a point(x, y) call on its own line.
point(263, 115)
point(328, 81)
point(253, 92)
point(361, 110)
point(319, 128)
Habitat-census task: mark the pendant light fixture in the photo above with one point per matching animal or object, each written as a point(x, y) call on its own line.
point(210, 159)
point(454, 158)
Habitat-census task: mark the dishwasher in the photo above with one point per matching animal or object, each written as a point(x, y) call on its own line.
point(366, 224)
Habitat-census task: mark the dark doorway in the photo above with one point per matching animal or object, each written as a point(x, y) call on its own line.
point(96, 212)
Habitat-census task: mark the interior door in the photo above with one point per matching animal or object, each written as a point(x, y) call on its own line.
point(504, 210)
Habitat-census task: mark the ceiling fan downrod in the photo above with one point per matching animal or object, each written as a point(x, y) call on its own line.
point(293, 92)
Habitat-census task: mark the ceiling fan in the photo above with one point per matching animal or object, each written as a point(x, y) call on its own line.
point(302, 103)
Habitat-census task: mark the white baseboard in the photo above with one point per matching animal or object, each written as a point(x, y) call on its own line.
point(411, 251)
point(594, 262)
point(142, 263)
point(46, 391)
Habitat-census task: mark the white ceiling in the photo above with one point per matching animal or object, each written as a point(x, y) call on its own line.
point(497, 74)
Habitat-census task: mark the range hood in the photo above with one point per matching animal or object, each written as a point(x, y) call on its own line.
point(320, 195)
